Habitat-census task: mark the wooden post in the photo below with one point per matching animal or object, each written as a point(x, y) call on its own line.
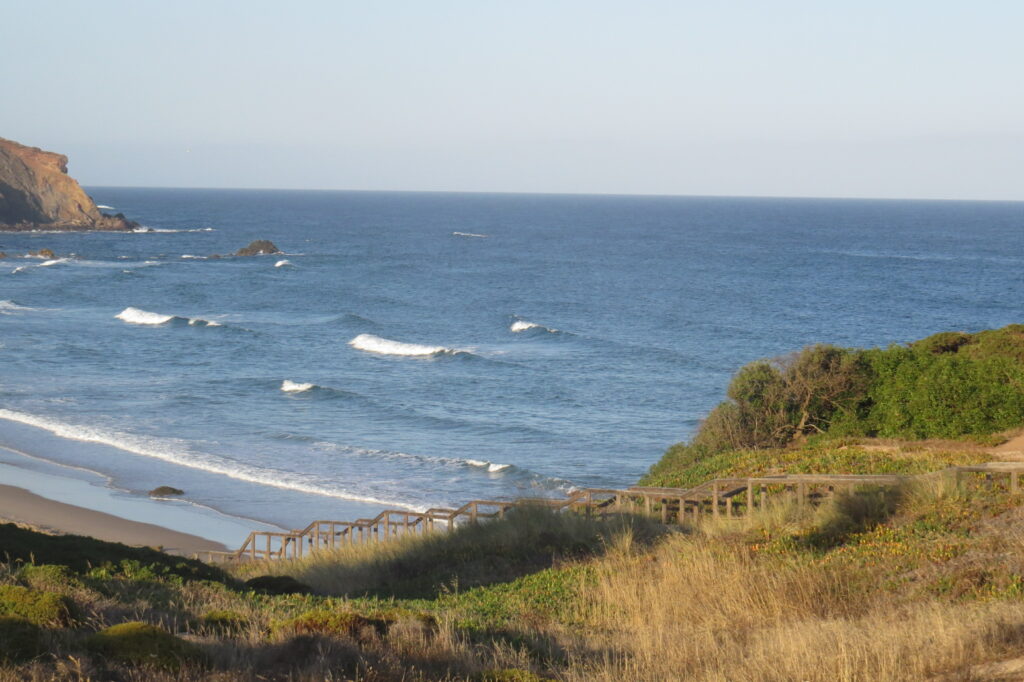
point(763, 494)
point(728, 507)
point(473, 513)
point(750, 498)
point(714, 499)
point(647, 504)
point(268, 545)
point(681, 517)
point(664, 510)
point(1014, 485)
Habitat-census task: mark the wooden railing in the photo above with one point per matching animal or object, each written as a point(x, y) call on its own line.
point(729, 497)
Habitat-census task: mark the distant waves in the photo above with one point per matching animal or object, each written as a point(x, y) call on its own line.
point(144, 317)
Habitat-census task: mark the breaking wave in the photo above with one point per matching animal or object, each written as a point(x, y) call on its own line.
point(8, 307)
point(144, 317)
point(282, 263)
point(109, 208)
point(470, 234)
point(289, 386)
point(143, 229)
point(376, 344)
point(53, 261)
point(491, 467)
point(523, 325)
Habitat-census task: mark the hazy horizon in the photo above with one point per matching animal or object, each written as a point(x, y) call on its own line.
point(794, 99)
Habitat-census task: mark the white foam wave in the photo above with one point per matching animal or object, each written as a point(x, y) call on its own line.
point(470, 234)
point(137, 316)
point(295, 387)
point(109, 208)
point(523, 325)
point(7, 307)
point(490, 466)
point(282, 263)
point(181, 453)
point(167, 230)
point(20, 268)
point(376, 344)
point(53, 261)
point(189, 256)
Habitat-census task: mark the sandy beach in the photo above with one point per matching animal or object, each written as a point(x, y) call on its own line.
point(21, 506)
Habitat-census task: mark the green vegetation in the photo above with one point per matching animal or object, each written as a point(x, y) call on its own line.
point(224, 621)
point(948, 386)
point(83, 554)
point(920, 581)
point(142, 644)
point(42, 608)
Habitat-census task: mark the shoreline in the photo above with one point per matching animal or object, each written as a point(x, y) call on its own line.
point(23, 507)
point(63, 498)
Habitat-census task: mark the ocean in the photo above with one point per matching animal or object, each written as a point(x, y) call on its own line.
point(416, 350)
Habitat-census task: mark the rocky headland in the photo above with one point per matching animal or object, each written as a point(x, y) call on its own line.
point(36, 193)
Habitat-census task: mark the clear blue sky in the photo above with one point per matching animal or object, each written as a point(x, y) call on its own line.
point(869, 98)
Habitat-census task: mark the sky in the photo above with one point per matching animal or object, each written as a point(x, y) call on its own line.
point(909, 99)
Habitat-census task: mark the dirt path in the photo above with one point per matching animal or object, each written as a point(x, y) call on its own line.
point(1010, 451)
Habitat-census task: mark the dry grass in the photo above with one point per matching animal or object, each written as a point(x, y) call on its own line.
point(529, 539)
point(737, 613)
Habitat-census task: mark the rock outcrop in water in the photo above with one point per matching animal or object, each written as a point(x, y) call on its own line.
point(259, 247)
point(36, 193)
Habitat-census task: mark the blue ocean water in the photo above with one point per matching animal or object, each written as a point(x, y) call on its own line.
point(421, 350)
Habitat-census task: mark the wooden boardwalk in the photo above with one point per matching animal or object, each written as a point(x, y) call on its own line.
point(729, 497)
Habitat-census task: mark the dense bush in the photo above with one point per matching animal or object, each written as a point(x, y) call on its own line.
point(42, 608)
point(947, 385)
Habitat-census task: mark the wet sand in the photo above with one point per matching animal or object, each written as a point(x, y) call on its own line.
point(24, 507)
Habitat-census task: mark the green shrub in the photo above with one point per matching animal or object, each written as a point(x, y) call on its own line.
point(20, 639)
point(52, 577)
point(331, 622)
point(948, 385)
point(227, 622)
point(42, 608)
point(142, 644)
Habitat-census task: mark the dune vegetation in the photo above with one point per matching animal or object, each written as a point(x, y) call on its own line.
point(920, 581)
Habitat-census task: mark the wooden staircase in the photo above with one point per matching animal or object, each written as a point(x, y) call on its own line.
point(728, 497)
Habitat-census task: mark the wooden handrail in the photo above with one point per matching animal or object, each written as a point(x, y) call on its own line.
point(717, 496)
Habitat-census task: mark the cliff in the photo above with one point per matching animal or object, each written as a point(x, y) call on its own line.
point(36, 193)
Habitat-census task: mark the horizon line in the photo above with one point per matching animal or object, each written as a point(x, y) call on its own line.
point(652, 195)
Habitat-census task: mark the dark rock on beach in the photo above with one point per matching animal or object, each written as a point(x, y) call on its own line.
point(36, 193)
point(259, 247)
point(165, 491)
point(42, 253)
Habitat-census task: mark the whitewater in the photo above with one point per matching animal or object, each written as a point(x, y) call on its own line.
point(421, 350)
